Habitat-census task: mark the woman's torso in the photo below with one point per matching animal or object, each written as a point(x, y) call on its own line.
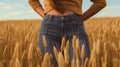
point(70, 7)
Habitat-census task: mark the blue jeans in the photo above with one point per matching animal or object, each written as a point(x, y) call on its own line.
point(54, 27)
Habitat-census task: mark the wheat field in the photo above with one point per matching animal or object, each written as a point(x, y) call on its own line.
point(19, 45)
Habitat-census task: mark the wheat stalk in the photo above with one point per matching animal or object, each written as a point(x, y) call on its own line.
point(77, 49)
point(119, 52)
point(31, 52)
point(23, 59)
point(63, 43)
point(30, 55)
point(5, 53)
point(73, 63)
point(61, 61)
point(47, 60)
point(67, 45)
point(83, 54)
point(78, 62)
point(38, 57)
point(74, 41)
point(16, 52)
point(55, 52)
point(44, 42)
point(66, 56)
point(86, 62)
point(1, 65)
point(17, 63)
point(98, 54)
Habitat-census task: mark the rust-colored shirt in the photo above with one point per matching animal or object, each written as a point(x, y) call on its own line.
point(73, 5)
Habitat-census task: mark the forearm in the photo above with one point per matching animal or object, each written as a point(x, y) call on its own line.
point(40, 11)
point(95, 8)
point(37, 7)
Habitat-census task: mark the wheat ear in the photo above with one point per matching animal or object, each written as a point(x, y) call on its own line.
point(17, 63)
point(30, 55)
point(44, 42)
point(1, 65)
point(73, 63)
point(63, 43)
point(16, 52)
point(86, 62)
point(66, 56)
point(55, 52)
point(45, 60)
point(61, 61)
point(83, 53)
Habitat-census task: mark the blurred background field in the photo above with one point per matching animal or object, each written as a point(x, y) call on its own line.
point(16, 36)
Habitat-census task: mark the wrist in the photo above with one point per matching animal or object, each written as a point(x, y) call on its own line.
point(81, 17)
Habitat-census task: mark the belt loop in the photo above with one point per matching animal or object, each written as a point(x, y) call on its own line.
point(50, 17)
point(62, 18)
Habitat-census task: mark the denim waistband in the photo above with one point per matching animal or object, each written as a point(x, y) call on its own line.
point(62, 17)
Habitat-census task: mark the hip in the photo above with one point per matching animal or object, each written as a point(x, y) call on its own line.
point(54, 24)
